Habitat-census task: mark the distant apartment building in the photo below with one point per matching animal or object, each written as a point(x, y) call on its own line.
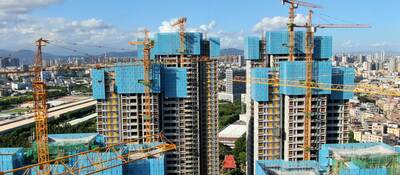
point(233, 89)
point(394, 131)
point(379, 128)
point(9, 62)
point(357, 135)
point(184, 104)
point(374, 137)
point(237, 60)
point(276, 102)
point(20, 85)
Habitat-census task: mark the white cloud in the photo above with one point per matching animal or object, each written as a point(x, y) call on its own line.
point(208, 27)
point(230, 39)
point(23, 6)
point(166, 26)
point(350, 44)
point(227, 39)
point(63, 32)
point(383, 44)
point(91, 23)
point(17, 10)
point(277, 22)
point(18, 26)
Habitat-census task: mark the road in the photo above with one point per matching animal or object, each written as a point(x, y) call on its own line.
point(80, 120)
point(53, 113)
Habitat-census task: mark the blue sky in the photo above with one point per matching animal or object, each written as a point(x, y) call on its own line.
point(112, 23)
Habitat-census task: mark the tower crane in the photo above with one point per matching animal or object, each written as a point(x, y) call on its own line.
point(40, 106)
point(311, 29)
point(89, 162)
point(293, 4)
point(97, 163)
point(181, 22)
point(308, 98)
point(147, 46)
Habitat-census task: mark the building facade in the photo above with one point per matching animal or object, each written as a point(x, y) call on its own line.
point(184, 101)
point(276, 97)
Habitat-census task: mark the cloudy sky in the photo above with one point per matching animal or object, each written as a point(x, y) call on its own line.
point(84, 24)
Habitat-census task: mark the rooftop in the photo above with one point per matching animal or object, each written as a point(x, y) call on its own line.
point(9, 151)
point(282, 167)
point(234, 130)
point(72, 138)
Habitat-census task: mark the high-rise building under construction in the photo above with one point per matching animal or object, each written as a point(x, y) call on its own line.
point(276, 98)
point(184, 103)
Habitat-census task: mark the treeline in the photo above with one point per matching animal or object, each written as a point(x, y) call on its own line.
point(239, 152)
point(229, 113)
point(9, 102)
point(12, 101)
point(22, 137)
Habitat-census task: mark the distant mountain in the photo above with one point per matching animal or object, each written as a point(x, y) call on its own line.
point(22, 54)
point(25, 56)
point(4, 53)
point(119, 54)
point(232, 51)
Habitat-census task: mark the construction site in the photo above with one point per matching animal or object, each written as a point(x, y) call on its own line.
point(156, 116)
point(297, 100)
point(159, 115)
point(340, 159)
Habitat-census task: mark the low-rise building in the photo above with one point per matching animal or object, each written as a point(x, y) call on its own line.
point(373, 137)
point(394, 131)
point(231, 133)
point(358, 135)
point(378, 128)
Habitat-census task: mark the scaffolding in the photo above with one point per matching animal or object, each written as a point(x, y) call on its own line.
point(282, 167)
point(109, 159)
point(366, 161)
point(61, 145)
point(359, 159)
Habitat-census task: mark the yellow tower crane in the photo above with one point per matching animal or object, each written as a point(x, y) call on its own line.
point(147, 46)
point(181, 22)
point(40, 106)
point(309, 68)
point(89, 162)
point(293, 4)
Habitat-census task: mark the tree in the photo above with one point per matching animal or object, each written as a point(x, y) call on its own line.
point(224, 150)
point(351, 137)
point(229, 113)
point(240, 146)
point(240, 151)
point(236, 171)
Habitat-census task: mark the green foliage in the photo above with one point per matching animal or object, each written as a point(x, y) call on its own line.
point(80, 88)
point(240, 150)
point(19, 137)
point(351, 138)
point(56, 91)
point(236, 171)
point(228, 113)
point(224, 150)
point(365, 99)
point(9, 102)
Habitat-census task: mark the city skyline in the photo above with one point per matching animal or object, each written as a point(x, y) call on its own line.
point(70, 21)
